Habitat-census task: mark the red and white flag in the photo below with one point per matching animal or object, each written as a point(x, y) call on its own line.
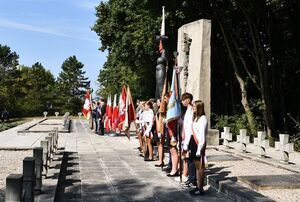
point(122, 108)
point(115, 114)
point(129, 113)
point(108, 114)
point(86, 109)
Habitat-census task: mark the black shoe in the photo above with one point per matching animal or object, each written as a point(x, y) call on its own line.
point(147, 159)
point(159, 165)
point(174, 175)
point(196, 192)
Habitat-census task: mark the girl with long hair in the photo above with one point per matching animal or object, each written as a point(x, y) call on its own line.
point(198, 144)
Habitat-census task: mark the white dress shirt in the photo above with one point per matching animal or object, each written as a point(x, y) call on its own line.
point(200, 129)
point(187, 127)
point(146, 119)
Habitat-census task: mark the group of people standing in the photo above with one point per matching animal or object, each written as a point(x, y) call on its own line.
point(190, 130)
point(98, 115)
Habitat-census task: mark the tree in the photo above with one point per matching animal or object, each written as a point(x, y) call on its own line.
point(8, 71)
point(36, 90)
point(72, 85)
point(127, 29)
point(255, 53)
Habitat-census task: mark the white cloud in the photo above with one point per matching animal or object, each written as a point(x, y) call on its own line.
point(40, 29)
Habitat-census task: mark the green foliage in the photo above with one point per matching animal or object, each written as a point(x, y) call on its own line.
point(296, 144)
point(127, 30)
point(9, 73)
point(235, 122)
point(28, 91)
point(12, 123)
point(36, 90)
point(262, 36)
point(72, 86)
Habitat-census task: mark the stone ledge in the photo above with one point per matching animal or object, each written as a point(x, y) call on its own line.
point(265, 182)
point(234, 190)
point(268, 161)
point(240, 193)
point(32, 125)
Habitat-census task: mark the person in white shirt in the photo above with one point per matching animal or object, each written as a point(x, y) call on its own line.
point(189, 170)
point(198, 144)
point(139, 130)
point(147, 122)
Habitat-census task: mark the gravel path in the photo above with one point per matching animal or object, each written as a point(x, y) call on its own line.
point(250, 167)
point(10, 162)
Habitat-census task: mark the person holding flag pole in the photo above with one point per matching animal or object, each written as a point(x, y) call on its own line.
point(173, 115)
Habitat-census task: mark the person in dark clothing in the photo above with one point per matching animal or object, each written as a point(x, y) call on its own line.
point(96, 116)
point(102, 116)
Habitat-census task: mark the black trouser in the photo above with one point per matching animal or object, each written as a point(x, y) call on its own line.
point(101, 126)
point(96, 125)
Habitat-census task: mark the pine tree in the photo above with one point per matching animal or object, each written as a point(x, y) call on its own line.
point(72, 85)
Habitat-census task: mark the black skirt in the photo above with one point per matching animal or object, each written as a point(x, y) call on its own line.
point(193, 149)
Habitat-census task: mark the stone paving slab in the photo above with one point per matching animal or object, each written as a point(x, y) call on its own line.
point(265, 182)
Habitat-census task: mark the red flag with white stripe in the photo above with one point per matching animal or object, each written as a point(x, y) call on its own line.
point(115, 114)
point(129, 113)
point(86, 109)
point(122, 108)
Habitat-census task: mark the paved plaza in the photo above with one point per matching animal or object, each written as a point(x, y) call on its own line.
point(104, 168)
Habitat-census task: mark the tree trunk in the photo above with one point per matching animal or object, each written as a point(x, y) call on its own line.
point(245, 103)
point(244, 100)
point(262, 71)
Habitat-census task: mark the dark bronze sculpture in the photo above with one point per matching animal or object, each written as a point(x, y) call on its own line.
point(161, 67)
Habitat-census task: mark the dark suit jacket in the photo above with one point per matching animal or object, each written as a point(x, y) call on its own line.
point(103, 111)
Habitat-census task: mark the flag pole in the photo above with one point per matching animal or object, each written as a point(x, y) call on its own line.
point(178, 126)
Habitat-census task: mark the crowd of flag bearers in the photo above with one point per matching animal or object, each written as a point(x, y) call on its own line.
point(175, 122)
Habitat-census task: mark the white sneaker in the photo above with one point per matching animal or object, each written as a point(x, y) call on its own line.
point(184, 178)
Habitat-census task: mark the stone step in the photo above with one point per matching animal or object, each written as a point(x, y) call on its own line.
point(234, 190)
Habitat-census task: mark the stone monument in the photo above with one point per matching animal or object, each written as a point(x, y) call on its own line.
point(193, 47)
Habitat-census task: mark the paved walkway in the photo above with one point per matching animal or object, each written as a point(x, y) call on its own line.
point(103, 168)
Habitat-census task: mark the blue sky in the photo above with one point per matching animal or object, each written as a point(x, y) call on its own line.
point(49, 31)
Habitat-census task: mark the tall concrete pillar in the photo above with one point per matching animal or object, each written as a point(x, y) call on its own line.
point(28, 181)
point(38, 155)
point(194, 51)
point(14, 188)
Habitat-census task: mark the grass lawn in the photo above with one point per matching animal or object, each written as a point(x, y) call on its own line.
point(13, 123)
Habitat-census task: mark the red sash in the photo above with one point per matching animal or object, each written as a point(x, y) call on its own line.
point(202, 155)
point(183, 132)
point(194, 135)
